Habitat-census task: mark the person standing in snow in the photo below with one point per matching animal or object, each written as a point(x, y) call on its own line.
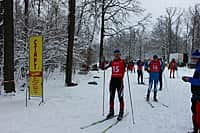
point(140, 71)
point(160, 73)
point(153, 69)
point(116, 83)
point(195, 89)
point(172, 67)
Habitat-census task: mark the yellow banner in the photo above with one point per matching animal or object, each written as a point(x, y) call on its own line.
point(35, 53)
point(35, 86)
point(35, 66)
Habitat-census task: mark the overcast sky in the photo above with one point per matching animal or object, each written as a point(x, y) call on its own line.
point(157, 7)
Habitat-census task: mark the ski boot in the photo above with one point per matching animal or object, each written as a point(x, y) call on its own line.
point(120, 116)
point(110, 115)
point(147, 98)
point(154, 98)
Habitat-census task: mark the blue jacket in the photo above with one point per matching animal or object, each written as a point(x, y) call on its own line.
point(162, 65)
point(146, 65)
point(195, 81)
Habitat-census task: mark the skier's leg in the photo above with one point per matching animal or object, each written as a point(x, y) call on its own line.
point(170, 73)
point(155, 89)
point(120, 91)
point(149, 89)
point(193, 109)
point(173, 71)
point(142, 82)
point(138, 72)
point(112, 97)
point(121, 99)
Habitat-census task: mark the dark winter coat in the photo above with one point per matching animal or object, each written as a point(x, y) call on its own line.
point(140, 65)
point(195, 81)
point(162, 65)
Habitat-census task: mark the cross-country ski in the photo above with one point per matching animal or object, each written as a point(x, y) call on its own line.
point(151, 104)
point(113, 124)
point(97, 122)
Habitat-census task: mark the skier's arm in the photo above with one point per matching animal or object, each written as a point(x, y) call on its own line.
point(194, 81)
point(106, 67)
point(169, 65)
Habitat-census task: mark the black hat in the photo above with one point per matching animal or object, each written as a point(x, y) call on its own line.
point(196, 54)
point(155, 57)
point(116, 51)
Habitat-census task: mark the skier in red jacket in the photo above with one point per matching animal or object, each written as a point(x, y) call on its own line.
point(172, 67)
point(116, 83)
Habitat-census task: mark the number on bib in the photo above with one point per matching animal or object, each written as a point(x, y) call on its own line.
point(115, 69)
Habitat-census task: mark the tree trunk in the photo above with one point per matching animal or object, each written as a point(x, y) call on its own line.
point(80, 19)
point(71, 31)
point(1, 38)
point(169, 37)
point(186, 39)
point(193, 32)
point(196, 26)
point(102, 32)
point(39, 8)
point(9, 85)
point(26, 14)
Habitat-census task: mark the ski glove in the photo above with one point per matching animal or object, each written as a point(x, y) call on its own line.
point(185, 78)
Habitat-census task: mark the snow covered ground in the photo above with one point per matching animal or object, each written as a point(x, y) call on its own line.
point(66, 109)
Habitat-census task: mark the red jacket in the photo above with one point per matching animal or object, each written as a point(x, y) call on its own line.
point(118, 68)
point(155, 66)
point(172, 65)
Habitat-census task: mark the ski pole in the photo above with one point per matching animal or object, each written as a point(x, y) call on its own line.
point(103, 90)
point(130, 98)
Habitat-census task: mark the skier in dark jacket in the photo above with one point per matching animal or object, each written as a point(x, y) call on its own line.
point(116, 83)
point(195, 89)
point(146, 65)
point(140, 65)
point(161, 73)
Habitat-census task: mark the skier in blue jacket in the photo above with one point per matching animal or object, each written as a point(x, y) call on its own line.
point(195, 89)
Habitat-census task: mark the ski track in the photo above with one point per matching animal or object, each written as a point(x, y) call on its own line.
point(66, 109)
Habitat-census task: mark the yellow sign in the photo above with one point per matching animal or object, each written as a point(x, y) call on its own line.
point(35, 66)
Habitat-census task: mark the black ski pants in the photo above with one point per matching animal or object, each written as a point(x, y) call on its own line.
point(140, 76)
point(116, 84)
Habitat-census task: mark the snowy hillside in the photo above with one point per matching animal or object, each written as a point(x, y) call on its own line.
point(66, 109)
